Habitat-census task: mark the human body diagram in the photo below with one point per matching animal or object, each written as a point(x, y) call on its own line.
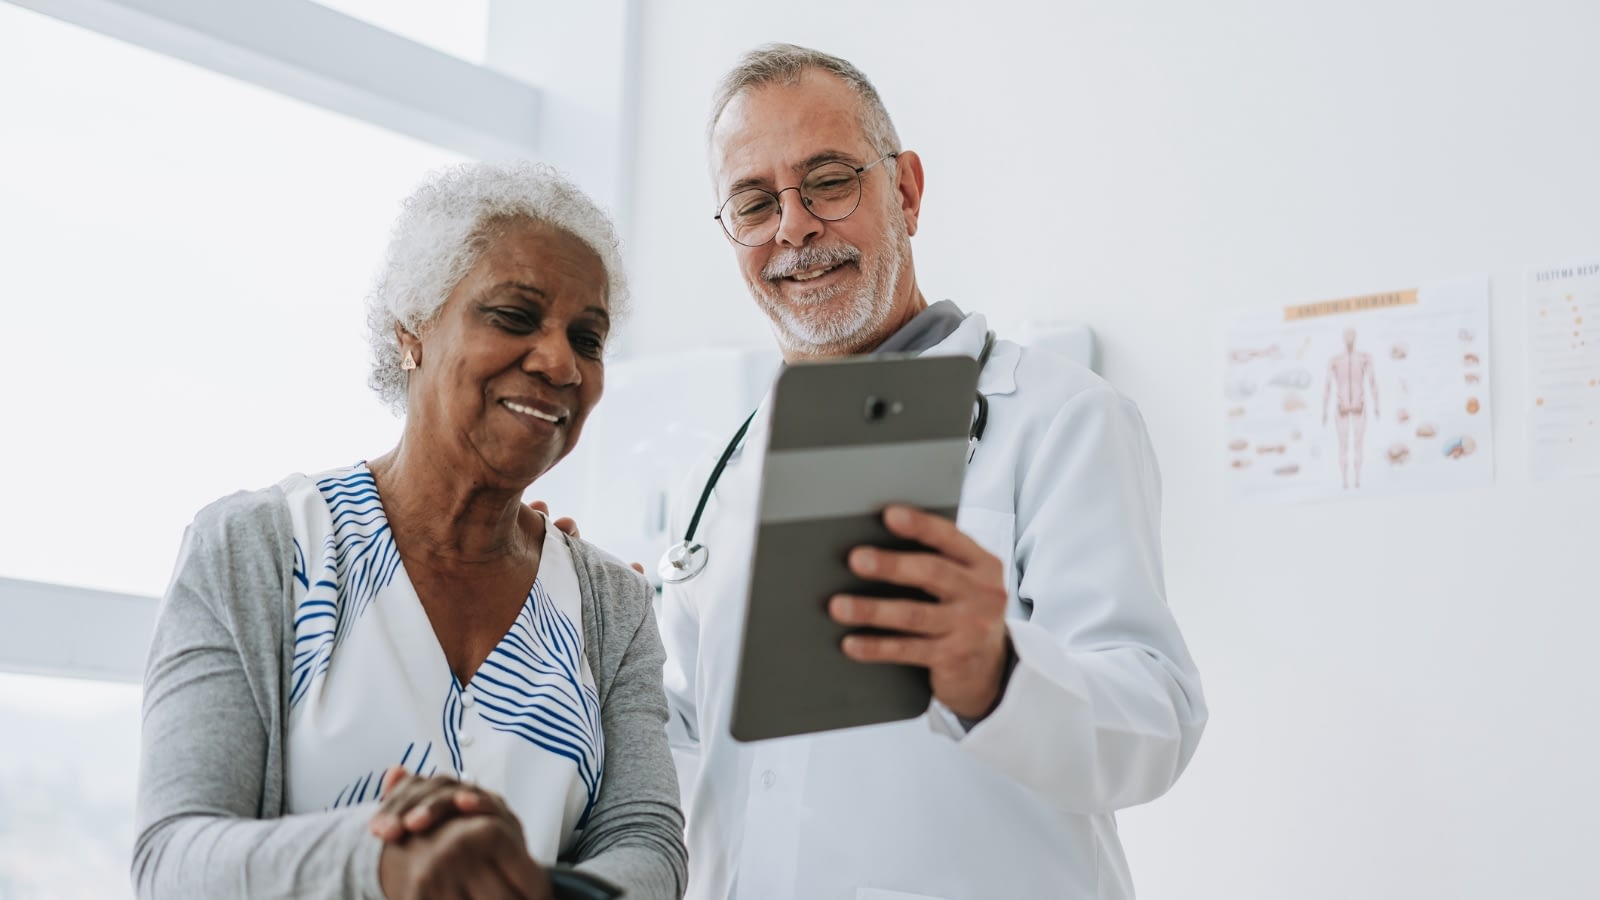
point(1351, 375)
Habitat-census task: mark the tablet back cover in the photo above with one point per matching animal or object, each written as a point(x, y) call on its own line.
point(848, 438)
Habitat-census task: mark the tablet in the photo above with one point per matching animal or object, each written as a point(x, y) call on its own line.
point(848, 437)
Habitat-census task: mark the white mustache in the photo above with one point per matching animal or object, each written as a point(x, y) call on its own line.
point(806, 259)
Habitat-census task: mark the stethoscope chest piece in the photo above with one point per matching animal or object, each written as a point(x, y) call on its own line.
point(681, 562)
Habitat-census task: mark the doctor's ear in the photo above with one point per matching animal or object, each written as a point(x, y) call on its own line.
point(908, 187)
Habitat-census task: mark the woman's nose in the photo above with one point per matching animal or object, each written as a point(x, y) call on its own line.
point(552, 356)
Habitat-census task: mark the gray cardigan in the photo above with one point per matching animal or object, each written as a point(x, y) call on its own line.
point(209, 814)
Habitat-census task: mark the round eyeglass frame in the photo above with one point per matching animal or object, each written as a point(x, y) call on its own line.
point(777, 199)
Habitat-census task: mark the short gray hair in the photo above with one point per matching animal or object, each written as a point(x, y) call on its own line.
point(785, 64)
point(443, 229)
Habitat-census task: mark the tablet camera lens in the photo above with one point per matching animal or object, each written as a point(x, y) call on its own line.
point(877, 408)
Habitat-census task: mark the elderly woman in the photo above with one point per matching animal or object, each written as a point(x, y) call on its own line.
point(407, 626)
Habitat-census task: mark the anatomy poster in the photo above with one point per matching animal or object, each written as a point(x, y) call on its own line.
point(1564, 371)
point(1359, 396)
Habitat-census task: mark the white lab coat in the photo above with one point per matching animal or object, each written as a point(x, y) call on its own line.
point(1103, 710)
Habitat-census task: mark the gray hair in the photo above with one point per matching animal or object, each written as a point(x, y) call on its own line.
point(444, 228)
point(785, 64)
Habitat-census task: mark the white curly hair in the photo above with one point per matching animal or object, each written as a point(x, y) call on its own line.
point(444, 228)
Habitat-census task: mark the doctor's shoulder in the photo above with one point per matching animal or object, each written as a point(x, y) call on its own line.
point(1061, 408)
point(1050, 386)
point(1050, 379)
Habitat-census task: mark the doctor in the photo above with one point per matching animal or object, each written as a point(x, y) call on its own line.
point(1063, 689)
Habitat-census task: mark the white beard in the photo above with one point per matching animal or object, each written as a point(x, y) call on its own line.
point(821, 322)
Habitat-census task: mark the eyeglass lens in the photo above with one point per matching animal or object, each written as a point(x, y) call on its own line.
point(830, 192)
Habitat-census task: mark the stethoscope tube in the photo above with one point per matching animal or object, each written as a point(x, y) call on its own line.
point(686, 559)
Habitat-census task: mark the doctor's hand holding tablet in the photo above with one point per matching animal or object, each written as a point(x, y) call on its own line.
point(961, 639)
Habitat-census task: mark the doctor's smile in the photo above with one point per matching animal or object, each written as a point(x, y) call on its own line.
point(811, 263)
point(814, 273)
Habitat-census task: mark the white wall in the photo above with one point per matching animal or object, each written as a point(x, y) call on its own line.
point(1403, 701)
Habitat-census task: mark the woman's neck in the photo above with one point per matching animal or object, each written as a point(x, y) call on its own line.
point(451, 518)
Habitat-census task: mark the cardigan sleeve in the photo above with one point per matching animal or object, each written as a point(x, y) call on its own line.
point(634, 838)
point(211, 760)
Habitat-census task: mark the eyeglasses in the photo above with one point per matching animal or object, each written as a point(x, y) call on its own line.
point(831, 192)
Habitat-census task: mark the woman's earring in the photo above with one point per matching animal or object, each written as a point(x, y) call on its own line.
point(408, 362)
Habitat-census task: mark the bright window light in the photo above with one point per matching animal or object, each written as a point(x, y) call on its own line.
point(67, 773)
point(185, 258)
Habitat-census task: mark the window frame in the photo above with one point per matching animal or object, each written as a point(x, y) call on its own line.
point(353, 68)
point(74, 632)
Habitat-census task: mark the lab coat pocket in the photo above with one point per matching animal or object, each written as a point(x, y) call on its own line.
point(996, 532)
point(881, 894)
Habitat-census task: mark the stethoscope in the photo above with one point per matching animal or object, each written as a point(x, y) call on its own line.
point(687, 558)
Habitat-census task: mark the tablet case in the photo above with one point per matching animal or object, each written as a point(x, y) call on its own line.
point(848, 437)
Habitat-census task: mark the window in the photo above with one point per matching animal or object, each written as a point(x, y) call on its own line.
point(67, 771)
point(185, 260)
point(184, 318)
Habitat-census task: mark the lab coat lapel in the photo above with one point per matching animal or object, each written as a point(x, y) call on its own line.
point(1000, 375)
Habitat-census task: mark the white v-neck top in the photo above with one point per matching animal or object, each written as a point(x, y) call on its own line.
point(371, 688)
